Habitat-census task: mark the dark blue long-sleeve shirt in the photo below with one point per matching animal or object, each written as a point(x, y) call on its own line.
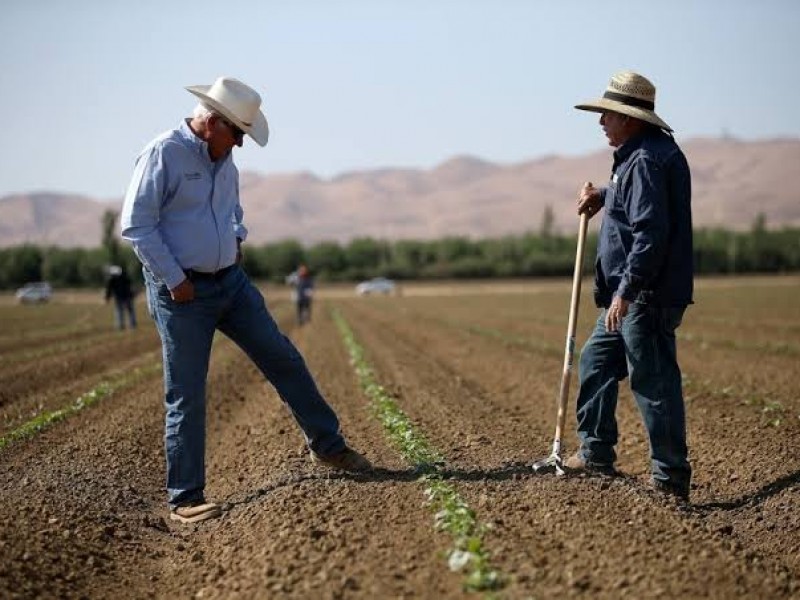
point(644, 251)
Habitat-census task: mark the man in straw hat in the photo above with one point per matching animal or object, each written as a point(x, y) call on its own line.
point(643, 284)
point(183, 216)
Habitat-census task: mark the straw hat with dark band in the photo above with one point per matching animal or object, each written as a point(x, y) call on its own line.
point(630, 94)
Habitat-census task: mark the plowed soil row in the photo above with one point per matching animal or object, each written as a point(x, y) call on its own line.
point(29, 389)
point(83, 509)
point(494, 400)
point(84, 515)
point(29, 327)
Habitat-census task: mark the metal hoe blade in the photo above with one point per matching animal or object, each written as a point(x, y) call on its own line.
point(551, 464)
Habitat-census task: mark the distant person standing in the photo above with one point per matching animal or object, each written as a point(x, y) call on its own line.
point(119, 287)
point(303, 294)
point(183, 216)
point(643, 284)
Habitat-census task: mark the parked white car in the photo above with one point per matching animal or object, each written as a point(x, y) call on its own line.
point(377, 285)
point(35, 292)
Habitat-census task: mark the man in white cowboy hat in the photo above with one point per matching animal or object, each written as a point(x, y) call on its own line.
point(183, 216)
point(643, 284)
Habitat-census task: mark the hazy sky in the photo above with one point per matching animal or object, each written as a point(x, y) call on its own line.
point(351, 85)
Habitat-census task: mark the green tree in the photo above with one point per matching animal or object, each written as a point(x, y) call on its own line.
point(22, 264)
point(61, 267)
point(453, 248)
point(547, 228)
point(281, 258)
point(110, 240)
point(326, 259)
point(364, 256)
point(504, 254)
point(759, 226)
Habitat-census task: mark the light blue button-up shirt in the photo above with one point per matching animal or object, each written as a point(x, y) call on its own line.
point(182, 209)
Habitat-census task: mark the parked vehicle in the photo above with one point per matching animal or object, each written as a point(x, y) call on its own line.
point(377, 285)
point(34, 292)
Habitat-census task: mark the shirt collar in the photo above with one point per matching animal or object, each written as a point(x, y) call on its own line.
point(190, 137)
point(194, 141)
point(624, 151)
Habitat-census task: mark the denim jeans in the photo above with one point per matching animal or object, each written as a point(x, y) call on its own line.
point(303, 311)
point(644, 349)
point(122, 307)
point(235, 307)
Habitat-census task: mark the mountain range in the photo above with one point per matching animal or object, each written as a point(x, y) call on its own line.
point(733, 183)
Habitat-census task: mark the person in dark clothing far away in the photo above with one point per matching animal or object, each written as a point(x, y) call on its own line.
point(643, 284)
point(183, 216)
point(303, 294)
point(118, 286)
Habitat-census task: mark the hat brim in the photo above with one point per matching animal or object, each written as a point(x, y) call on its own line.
point(604, 104)
point(258, 130)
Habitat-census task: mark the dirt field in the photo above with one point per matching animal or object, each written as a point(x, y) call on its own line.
point(475, 368)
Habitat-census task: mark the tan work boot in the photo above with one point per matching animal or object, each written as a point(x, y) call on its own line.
point(345, 460)
point(194, 512)
point(576, 464)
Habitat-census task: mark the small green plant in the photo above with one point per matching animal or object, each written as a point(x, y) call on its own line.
point(451, 513)
point(49, 418)
point(102, 390)
point(772, 413)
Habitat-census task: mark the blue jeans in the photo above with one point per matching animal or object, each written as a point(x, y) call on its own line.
point(233, 305)
point(303, 311)
point(123, 306)
point(644, 349)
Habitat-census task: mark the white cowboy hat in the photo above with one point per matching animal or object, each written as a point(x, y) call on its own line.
point(630, 94)
point(237, 102)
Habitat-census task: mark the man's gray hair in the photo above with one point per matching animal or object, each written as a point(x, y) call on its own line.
point(202, 111)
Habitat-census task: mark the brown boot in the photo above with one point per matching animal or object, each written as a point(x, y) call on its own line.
point(576, 464)
point(344, 460)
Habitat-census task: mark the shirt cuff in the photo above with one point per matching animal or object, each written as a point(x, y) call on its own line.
point(627, 290)
point(173, 278)
point(240, 231)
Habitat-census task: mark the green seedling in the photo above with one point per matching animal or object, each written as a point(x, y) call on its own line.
point(49, 418)
point(451, 513)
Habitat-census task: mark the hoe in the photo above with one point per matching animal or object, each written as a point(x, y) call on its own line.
point(553, 462)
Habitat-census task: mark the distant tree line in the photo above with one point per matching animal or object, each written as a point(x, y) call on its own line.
point(540, 254)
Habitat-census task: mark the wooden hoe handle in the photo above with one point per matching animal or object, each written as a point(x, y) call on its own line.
point(569, 350)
